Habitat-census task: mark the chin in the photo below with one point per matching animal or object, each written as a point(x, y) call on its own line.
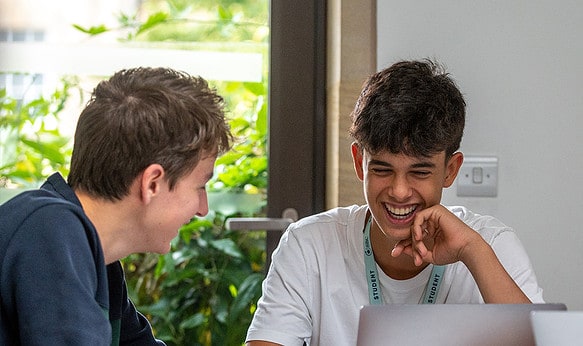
point(162, 249)
point(165, 250)
point(398, 232)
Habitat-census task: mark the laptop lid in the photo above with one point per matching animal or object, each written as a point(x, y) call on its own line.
point(557, 328)
point(448, 324)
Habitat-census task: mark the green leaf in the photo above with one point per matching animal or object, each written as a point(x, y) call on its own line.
point(227, 246)
point(94, 30)
point(126, 20)
point(153, 20)
point(158, 309)
point(257, 89)
point(247, 293)
point(258, 164)
point(228, 158)
point(262, 119)
point(48, 151)
point(160, 266)
point(239, 123)
point(193, 321)
point(224, 13)
point(233, 290)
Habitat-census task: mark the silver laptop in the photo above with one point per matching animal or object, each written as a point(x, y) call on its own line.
point(448, 324)
point(557, 328)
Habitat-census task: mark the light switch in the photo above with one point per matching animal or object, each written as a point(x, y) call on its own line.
point(478, 177)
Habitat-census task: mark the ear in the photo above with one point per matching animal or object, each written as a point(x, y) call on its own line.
point(357, 160)
point(151, 182)
point(452, 168)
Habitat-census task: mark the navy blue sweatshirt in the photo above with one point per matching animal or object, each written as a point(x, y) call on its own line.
point(55, 288)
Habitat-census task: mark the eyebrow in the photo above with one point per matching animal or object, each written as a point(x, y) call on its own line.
point(422, 164)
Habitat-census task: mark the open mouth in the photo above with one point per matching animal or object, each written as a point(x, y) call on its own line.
point(401, 213)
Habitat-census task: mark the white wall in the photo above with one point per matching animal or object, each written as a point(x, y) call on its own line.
point(520, 66)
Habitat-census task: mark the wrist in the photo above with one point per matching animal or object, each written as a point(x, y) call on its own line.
point(476, 251)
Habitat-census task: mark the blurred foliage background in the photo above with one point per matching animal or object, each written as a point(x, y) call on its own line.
point(203, 292)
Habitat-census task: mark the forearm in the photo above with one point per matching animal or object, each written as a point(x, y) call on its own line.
point(495, 284)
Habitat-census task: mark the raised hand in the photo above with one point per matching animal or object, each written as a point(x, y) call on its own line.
point(439, 237)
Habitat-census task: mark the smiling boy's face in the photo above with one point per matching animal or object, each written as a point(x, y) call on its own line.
point(397, 186)
point(171, 209)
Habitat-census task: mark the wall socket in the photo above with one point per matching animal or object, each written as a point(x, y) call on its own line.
point(478, 177)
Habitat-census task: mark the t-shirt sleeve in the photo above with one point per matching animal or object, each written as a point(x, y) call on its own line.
point(50, 280)
point(285, 298)
point(515, 260)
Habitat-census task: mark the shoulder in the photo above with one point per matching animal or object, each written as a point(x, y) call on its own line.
point(43, 217)
point(334, 232)
point(341, 219)
point(37, 206)
point(488, 226)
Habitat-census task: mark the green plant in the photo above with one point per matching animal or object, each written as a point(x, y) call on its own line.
point(192, 21)
point(244, 168)
point(203, 292)
point(32, 144)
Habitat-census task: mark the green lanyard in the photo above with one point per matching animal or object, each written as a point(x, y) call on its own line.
point(374, 288)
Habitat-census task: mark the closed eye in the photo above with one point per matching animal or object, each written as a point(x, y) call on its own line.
point(422, 173)
point(380, 171)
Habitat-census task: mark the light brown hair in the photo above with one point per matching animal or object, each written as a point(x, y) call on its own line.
point(143, 116)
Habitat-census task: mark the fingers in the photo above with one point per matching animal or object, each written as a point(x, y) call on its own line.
point(421, 232)
point(400, 248)
point(420, 250)
point(414, 248)
point(436, 236)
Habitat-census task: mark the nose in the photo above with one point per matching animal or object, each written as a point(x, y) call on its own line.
point(400, 189)
point(203, 205)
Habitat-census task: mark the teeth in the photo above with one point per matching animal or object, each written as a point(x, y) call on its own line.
point(401, 213)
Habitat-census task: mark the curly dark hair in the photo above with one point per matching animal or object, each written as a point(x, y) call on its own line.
point(412, 107)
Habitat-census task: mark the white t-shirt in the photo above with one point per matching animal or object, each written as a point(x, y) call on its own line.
point(316, 283)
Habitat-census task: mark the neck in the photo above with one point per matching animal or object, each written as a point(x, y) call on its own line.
point(398, 268)
point(111, 224)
